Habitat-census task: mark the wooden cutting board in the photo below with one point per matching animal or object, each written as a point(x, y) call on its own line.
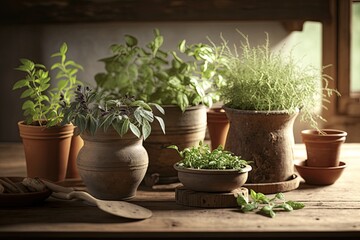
point(192, 198)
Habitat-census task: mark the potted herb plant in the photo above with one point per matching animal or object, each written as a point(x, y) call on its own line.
point(113, 162)
point(46, 143)
point(182, 88)
point(263, 94)
point(205, 170)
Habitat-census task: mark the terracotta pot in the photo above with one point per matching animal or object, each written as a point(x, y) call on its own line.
point(212, 180)
point(266, 139)
point(46, 150)
point(323, 150)
point(112, 167)
point(218, 126)
point(76, 144)
point(184, 129)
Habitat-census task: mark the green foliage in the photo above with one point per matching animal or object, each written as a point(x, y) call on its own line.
point(268, 206)
point(262, 80)
point(201, 157)
point(42, 104)
point(91, 110)
point(154, 75)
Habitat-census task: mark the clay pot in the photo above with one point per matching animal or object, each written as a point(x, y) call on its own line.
point(112, 167)
point(323, 149)
point(218, 126)
point(183, 129)
point(46, 150)
point(319, 175)
point(212, 180)
point(76, 144)
point(266, 139)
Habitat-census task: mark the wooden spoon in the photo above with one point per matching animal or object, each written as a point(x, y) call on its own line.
point(118, 208)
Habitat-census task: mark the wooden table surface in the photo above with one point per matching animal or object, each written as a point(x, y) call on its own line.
point(330, 211)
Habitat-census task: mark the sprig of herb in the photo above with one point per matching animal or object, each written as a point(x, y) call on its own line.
point(201, 157)
point(267, 206)
point(43, 104)
point(91, 110)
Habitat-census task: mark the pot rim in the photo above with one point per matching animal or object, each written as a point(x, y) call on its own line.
point(246, 169)
point(303, 164)
point(272, 112)
point(329, 132)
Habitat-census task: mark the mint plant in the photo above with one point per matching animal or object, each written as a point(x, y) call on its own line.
point(42, 105)
point(163, 77)
point(91, 110)
point(201, 157)
point(267, 206)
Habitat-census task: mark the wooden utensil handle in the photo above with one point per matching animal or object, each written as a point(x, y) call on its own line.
point(57, 188)
point(83, 196)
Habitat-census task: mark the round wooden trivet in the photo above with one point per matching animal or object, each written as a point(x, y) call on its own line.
point(192, 198)
point(276, 187)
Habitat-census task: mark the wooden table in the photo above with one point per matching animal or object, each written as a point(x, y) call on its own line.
point(331, 211)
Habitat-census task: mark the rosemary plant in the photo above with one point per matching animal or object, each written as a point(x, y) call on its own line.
point(262, 80)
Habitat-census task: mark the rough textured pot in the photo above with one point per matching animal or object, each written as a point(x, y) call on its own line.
point(112, 167)
point(212, 180)
point(218, 126)
point(267, 139)
point(46, 150)
point(319, 175)
point(183, 129)
point(323, 150)
point(76, 145)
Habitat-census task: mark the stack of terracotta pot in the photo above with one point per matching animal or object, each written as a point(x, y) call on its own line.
point(323, 165)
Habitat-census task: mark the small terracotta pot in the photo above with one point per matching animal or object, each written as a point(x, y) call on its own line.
point(323, 150)
point(212, 180)
point(218, 126)
point(76, 144)
point(46, 150)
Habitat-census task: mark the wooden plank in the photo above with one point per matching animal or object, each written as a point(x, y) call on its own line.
point(66, 11)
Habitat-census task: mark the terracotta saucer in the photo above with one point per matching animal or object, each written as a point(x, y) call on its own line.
point(319, 175)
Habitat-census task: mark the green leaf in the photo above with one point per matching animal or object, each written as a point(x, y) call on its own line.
point(20, 84)
point(62, 84)
point(130, 40)
point(158, 107)
point(280, 196)
point(248, 207)
point(241, 200)
point(28, 104)
point(27, 93)
point(146, 129)
point(135, 130)
point(182, 46)
point(161, 122)
point(63, 48)
point(296, 205)
point(182, 101)
point(142, 104)
point(125, 127)
point(148, 115)
point(92, 124)
point(267, 210)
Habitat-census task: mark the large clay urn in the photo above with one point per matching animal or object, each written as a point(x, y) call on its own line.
point(46, 150)
point(112, 167)
point(183, 129)
point(266, 139)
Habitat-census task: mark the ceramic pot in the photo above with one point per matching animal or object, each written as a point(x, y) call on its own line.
point(46, 150)
point(212, 180)
point(76, 145)
point(218, 126)
point(266, 139)
point(323, 150)
point(112, 167)
point(183, 129)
